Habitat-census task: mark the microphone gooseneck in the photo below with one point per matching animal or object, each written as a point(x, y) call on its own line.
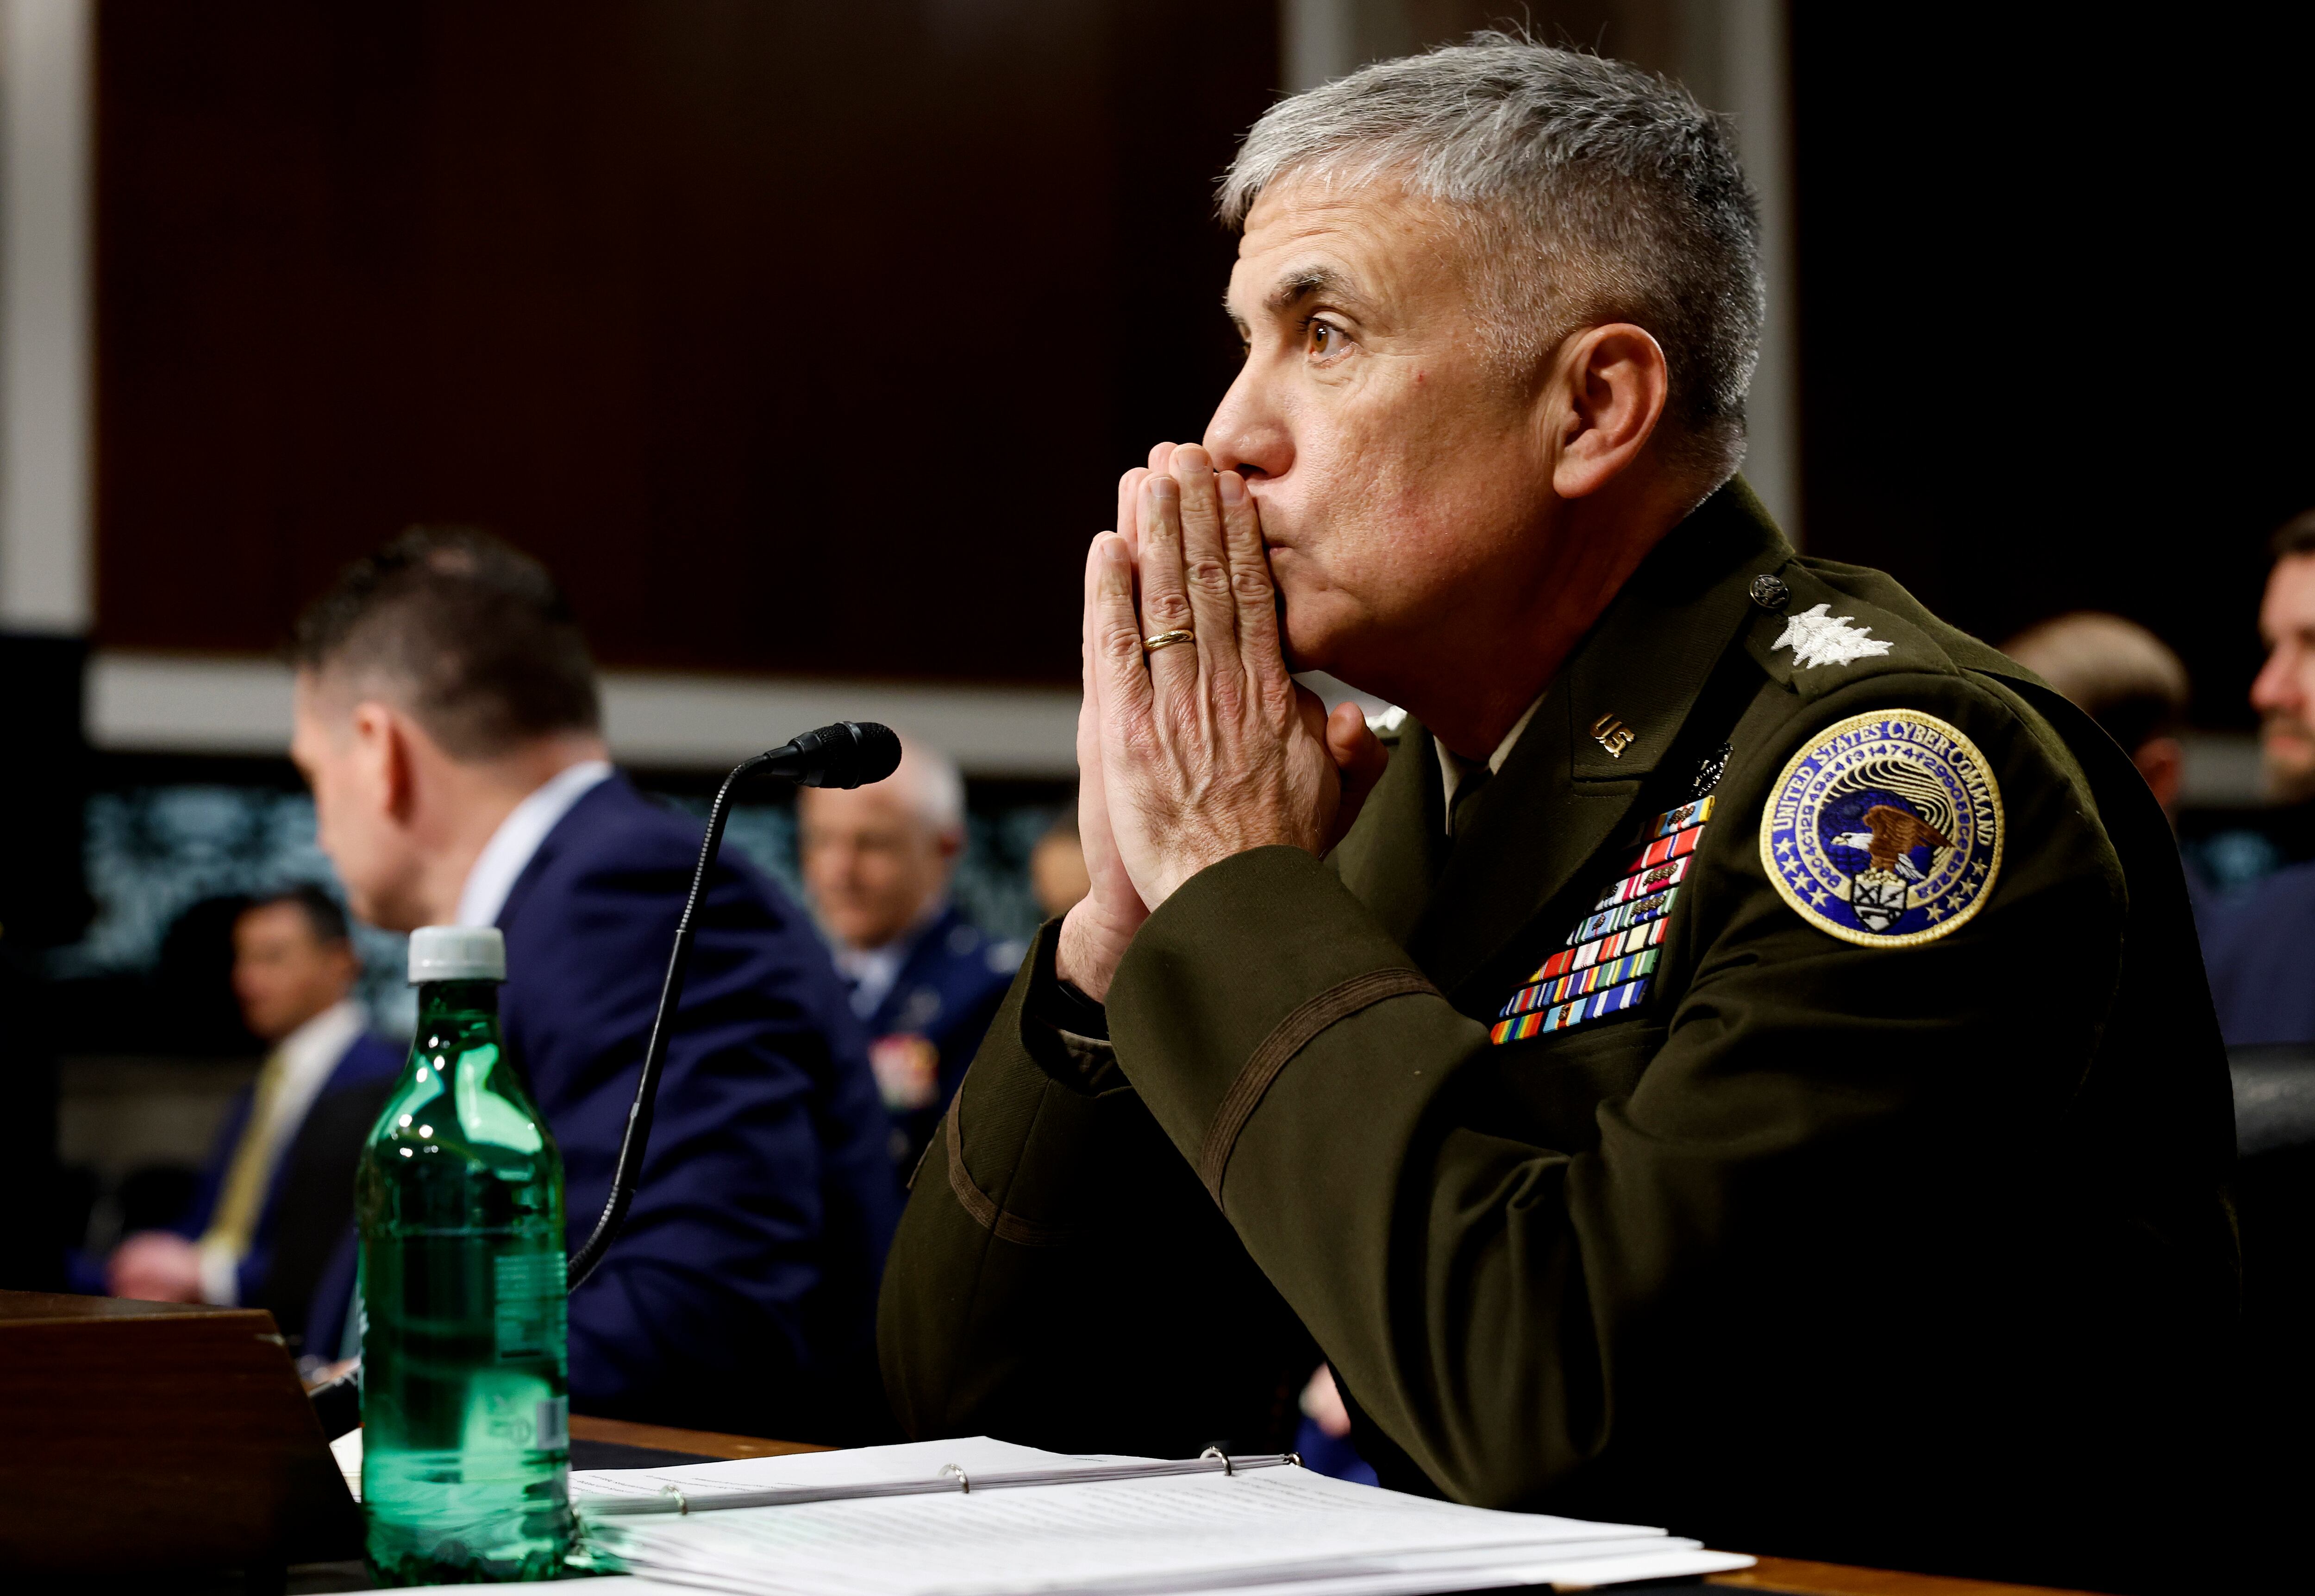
point(847, 754)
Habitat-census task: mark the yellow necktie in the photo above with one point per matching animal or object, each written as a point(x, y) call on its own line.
point(234, 1223)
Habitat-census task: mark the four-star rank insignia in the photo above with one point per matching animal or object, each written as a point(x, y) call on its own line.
point(1608, 959)
point(1887, 830)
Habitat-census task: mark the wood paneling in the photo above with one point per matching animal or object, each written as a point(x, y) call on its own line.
point(795, 337)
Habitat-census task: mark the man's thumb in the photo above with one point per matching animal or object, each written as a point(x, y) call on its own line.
point(1359, 758)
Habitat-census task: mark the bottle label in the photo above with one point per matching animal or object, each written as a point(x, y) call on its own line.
point(554, 1425)
point(530, 1297)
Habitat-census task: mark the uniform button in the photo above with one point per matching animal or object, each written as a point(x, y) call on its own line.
point(1770, 592)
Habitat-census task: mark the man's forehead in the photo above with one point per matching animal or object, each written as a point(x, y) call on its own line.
point(879, 804)
point(1306, 235)
point(2290, 600)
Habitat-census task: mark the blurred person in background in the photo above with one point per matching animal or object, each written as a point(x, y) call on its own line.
point(449, 724)
point(2259, 946)
point(1057, 876)
point(278, 1193)
point(877, 862)
point(2127, 680)
point(2130, 682)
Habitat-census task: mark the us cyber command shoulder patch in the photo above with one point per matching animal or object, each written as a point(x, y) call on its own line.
point(1887, 830)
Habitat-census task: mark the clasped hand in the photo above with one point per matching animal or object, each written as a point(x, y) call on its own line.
point(1191, 753)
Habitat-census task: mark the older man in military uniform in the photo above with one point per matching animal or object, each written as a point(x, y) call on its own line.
point(1746, 1065)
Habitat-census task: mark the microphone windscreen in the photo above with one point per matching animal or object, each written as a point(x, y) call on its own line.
point(878, 752)
point(847, 754)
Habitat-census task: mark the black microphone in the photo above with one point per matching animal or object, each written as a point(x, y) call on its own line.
point(847, 754)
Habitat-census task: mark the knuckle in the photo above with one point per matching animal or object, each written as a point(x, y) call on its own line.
point(1209, 577)
point(1118, 644)
point(1165, 611)
point(1253, 586)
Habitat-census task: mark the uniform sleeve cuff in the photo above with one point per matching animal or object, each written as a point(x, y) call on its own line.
point(1066, 1032)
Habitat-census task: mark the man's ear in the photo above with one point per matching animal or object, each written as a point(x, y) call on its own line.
point(1610, 390)
point(383, 737)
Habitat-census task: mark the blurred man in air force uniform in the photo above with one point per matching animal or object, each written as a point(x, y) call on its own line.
point(1746, 1067)
point(878, 861)
point(447, 721)
point(278, 1193)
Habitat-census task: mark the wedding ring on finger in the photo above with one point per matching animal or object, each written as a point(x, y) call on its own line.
point(1167, 640)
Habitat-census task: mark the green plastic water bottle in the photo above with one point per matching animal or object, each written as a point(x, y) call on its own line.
point(466, 1406)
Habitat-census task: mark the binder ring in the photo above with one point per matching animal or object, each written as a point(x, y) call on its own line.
point(682, 1505)
point(963, 1480)
point(1215, 1451)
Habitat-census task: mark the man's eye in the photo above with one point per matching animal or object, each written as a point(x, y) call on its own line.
point(1326, 339)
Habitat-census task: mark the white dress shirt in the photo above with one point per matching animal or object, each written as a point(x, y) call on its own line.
point(872, 971)
point(305, 1057)
point(509, 852)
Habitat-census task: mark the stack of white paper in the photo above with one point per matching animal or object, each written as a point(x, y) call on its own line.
point(1277, 1531)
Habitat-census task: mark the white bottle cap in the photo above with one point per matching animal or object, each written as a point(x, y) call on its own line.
point(456, 954)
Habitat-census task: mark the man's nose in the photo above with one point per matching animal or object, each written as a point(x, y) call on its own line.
point(2271, 688)
point(1247, 435)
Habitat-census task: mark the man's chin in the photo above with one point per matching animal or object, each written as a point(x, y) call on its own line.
point(2290, 764)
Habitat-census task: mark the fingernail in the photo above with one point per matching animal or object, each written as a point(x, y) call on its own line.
point(1233, 488)
point(1112, 549)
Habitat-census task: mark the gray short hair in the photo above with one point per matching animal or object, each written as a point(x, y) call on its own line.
point(933, 787)
point(1597, 193)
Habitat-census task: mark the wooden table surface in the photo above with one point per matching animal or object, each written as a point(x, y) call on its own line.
point(1786, 1575)
point(704, 1443)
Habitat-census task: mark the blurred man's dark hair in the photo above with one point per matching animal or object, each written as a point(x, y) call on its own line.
point(469, 635)
point(325, 917)
point(2295, 536)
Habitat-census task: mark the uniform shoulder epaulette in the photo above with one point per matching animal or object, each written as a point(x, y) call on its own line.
point(1815, 634)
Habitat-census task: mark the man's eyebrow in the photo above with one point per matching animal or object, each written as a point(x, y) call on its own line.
point(1297, 287)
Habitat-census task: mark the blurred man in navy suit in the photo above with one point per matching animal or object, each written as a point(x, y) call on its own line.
point(2260, 947)
point(448, 720)
point(878, 861)
point(278, 1192)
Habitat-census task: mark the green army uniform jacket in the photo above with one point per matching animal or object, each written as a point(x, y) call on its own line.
point(1909, 1249)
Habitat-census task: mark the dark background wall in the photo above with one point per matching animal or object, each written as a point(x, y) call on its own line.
point(2056, 331)
point(796, 337)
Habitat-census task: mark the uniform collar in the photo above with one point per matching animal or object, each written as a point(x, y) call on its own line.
point(1562, 794)
point(872, 973)
point(1454, 769)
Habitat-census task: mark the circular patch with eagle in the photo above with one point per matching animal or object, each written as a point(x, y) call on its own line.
point(1885, 830)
